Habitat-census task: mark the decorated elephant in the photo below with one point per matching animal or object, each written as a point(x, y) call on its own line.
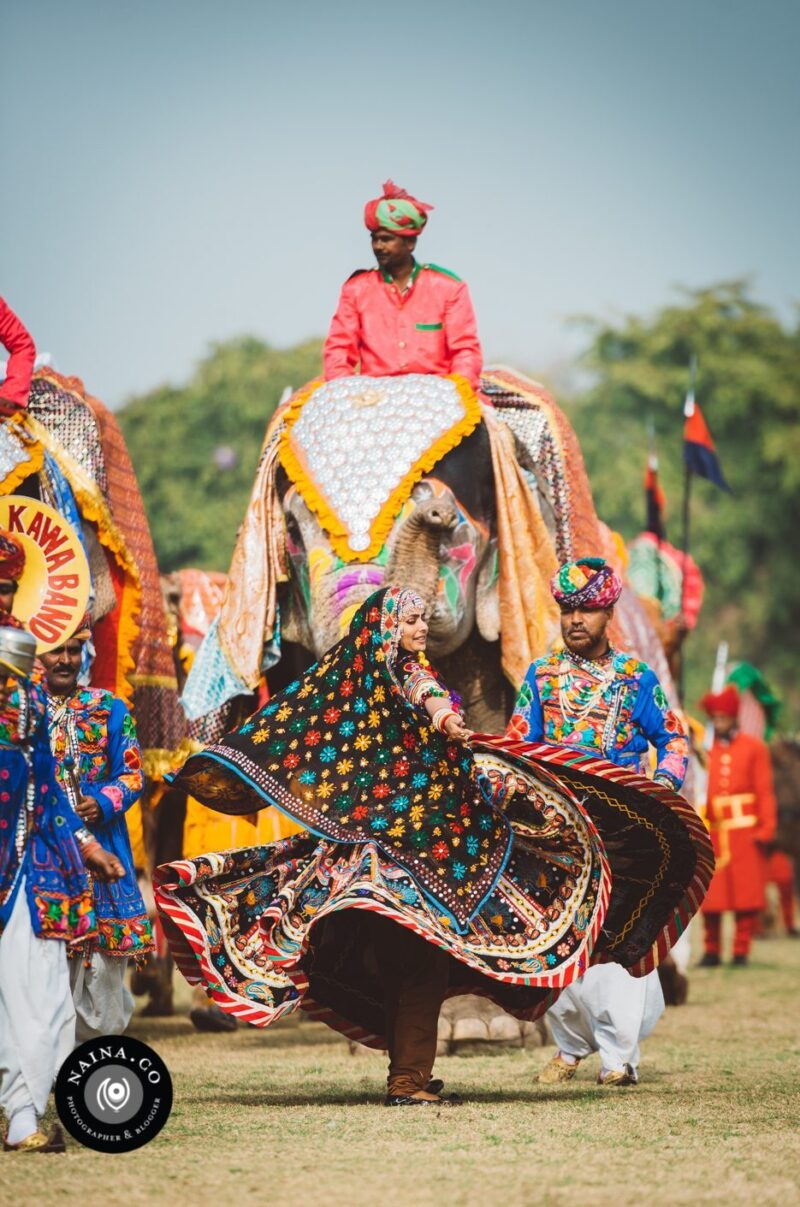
point(66, 449)
point(473, 505)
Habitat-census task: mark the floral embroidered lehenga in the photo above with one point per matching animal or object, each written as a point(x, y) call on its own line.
point(525, 864)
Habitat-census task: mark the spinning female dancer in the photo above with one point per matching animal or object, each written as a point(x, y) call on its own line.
point(426, 870)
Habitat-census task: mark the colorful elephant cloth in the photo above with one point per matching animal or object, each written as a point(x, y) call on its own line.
point(39, 830)
point(611, 706)
point(345, 753)
point(93, 739)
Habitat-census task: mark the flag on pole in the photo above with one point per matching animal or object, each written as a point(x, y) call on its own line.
point(699, 452)
point(654, 499)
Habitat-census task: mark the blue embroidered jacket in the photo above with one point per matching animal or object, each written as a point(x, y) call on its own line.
point(93, 732)
point(56, 882)
point(612, 707)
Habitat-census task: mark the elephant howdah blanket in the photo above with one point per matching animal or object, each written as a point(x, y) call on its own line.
point(355, 447)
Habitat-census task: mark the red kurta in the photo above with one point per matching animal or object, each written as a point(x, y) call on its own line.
point(741, 813)
point(21, 357)
point(430, 328)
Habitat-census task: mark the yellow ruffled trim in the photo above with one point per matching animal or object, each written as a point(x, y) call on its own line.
point(158, 762)
point(382, 524)
point(94, 508)
point(168, 681)
point(35, 459)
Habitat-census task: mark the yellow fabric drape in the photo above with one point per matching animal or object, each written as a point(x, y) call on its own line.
point(526, 560)
point(249, 606)
point(204, 830)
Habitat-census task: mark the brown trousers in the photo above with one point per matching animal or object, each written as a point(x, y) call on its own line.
point(414, 977)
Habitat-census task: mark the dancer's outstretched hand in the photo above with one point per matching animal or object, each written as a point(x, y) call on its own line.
point(456, 729)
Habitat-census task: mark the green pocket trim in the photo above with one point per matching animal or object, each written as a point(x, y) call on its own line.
point(429, 326)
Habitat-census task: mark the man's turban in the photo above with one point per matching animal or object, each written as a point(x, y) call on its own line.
point(589, 583)
point(396, 211)
point(12, 558)
point(725, 702)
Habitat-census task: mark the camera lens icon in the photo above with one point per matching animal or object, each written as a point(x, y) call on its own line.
point(113, 1095)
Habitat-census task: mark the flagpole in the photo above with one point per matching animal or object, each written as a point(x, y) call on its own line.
point(687, 495)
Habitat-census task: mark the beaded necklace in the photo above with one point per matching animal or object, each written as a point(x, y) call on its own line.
point(25, 815)
point(577, 701)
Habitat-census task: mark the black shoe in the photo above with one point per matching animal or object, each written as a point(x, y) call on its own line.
point(739, 961)
point(211, 1018)
point(435, 1085)
point(709, 960)
point(408, 1100)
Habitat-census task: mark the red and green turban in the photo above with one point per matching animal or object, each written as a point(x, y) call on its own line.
point(12, 557)
point(396, 211)
point(590, 583)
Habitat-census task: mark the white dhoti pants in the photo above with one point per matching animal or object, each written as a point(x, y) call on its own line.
point(103, 1002)
point(607, 1011)
point(681, 951)
point(37, 1017)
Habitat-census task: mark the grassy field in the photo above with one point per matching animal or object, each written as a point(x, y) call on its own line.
point(290, 1116)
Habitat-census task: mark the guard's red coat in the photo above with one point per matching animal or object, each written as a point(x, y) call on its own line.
point(741, 814)
point(430, 328)
point(21, 357)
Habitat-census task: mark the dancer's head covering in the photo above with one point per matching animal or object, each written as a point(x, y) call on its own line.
point(588, 583)
point(396, 211)
point(12, 557)
point(724, 703)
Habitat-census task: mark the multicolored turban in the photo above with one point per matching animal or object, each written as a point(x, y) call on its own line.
point(589, 583)
point(725, 702)
point(396, 211)
point(12, 557)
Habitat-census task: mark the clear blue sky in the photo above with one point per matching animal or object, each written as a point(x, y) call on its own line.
point(179, 172)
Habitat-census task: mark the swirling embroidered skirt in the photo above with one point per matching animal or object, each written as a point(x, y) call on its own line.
point(267, 929)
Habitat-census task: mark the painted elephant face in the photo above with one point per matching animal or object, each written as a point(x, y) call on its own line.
point(436, 546)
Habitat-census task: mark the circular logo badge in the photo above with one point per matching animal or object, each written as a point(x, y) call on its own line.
point(113, 1094)
point(53, 593)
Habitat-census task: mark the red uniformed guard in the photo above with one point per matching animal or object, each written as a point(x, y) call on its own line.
point(741, 816)
point(402, 317)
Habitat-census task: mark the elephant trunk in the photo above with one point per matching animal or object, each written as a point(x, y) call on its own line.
point(414, 559)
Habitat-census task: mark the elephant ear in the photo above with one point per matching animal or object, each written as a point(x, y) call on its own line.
point(487, 595)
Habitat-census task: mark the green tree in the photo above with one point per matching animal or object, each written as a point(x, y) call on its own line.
point(748, 381)
point(195, 448)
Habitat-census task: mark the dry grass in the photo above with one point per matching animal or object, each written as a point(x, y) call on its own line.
point(289, 1116)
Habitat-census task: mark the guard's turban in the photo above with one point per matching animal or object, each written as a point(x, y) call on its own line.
point(725, 702)
point(396, 211)
point(12, 558)
point(589, 583)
